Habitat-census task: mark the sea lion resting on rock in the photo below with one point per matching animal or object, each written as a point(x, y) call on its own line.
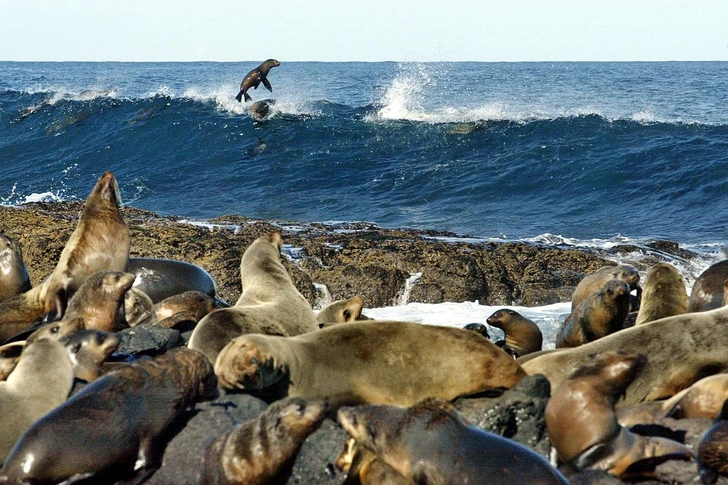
point(680, 350)
point(113, 425)
point(709, 289)
point(522, 336)
point(262, 450)
point(163, 278)
point(368, 362)
point(431, 443)
point(596, 281)
point(270, 303)
point(14, 278)
point(342, 311)
point(663, 294)
point(713, 449)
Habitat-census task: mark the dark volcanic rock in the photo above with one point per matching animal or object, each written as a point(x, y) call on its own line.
point(315, 461)
point(148, 339)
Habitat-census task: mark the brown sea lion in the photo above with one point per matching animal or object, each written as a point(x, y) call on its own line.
point(713, 449)
point(709, 288)
point(261, 451)
point(703, 399)
point(362, 467)
point(41, 381)
point(194, 303)
point(368, 362)
point(270, 303)
point(432, 443)
point(100, 301)
point(14, 278)
point(596, 281)
point(583, 426)
point(255, 77)
point(597, 315)
point(57, 330)
point(663, 294)
point(89, 349)
point(522, 335)
point(342, 311)
point(113, 426)
point(681, 350)
point(138, 307)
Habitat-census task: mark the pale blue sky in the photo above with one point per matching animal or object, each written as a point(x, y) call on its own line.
point(373, 30)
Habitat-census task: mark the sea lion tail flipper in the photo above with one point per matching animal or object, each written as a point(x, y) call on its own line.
point(239, 97)
point(267, 84)
point(247, 97)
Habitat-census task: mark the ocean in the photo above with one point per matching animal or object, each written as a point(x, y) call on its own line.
point(576, 154)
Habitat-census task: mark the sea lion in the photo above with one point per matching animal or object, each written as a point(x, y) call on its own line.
point(113, 426)
point(478, 328)
point(14, 278)
point(261, 451)
point(432, 443)
point(583, 426)
point(663, 294)
point(374, 362)
point(88, 350)
point(41, 381)
point(56, 330)
point(713, 449)
point(342, 311)
point(596, 281)
point(362, 467)
point(194, 303)
point(163, 278)
point(255, 77)
point(597, 315)
point(670, 344)
point(100, 301)
point(522, 336)
point(260, 109)
point(9, 357)
point(703, 399)
point(709, 288)
point(138, 307)
point(269, 303)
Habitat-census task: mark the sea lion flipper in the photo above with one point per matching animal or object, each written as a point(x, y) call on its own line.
point(248, 98)
point(267, 84)
point(239, 97)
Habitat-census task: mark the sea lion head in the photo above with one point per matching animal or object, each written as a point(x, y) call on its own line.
point(272, 63)
point(615, 289)
point(57, 330)
point(88, 350)
point(106, 189)
point(243, 364)
point(295, 416)
point(614, 371)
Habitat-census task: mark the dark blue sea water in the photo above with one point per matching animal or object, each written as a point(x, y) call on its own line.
point(498, 150)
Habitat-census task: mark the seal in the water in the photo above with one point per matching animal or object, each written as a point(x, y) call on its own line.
point(597, 315)
point(255, 77)
point(432, 443)
point(113, 426)
point(162, 278)
point(261, 451)
point(368, 362)
point(522, 336)
point(708, 291)
point(14, 278)
point(260, 109)
point(40, 382)
point(89, 349)
point(713, 449)
point(663, 294)
point(583, 426)
point(674, 362)
point(342, 311)
point(270, 303)
point(100, 301)
point(595, 281)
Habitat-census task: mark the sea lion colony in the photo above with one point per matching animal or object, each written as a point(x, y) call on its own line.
point(391, 382)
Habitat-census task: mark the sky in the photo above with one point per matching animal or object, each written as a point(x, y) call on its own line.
point(373, 30)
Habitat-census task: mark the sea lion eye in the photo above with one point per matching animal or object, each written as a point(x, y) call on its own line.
point(55, 328)
point(347, 314)
point(300, 409)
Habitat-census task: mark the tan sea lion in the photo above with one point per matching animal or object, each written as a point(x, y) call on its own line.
point(100, 301)
point(342, 311)
point(261, 451)
point(595, 281)
point(14, 278)
point(597, 315)
point(522, 335)
point(41, 381)
point(709, 289)
point(57, 330)
point(270, 303)
point(432, 443)
point(663, 294)
point(194, 303)
point(362, 467)
point(713, 449)
point(703, 399)
point(368, 362)
point(255, 77)
point(112, 427)
point(681, 350)
point(88, 350)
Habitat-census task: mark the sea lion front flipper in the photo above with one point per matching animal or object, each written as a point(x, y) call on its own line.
point(267, 84)
point(647, 452)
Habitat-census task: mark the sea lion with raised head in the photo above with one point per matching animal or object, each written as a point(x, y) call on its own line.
point(431, 442)
point(261, 451)
point(583, 426)
point(709, 289)
point(255, 77)
point(374, 362)
point(89, 349)
point(270, 303)
point(341, 311)
point(663, 294)
point(100, 301)
point(596, 281)
point(14, 278)
point(713, 449)
point(113, 427)
point(522, 336)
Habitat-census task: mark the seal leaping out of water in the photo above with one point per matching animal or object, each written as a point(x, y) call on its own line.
point(255, 77)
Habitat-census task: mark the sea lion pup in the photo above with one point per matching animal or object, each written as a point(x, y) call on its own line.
point(709, 289)
point(88, 350)
point(374, 362)
point(596, 281)
point(100, 301)
point(583, 426)
point(255, 77)
point(261, 451)
point(269, 304)
point(362, 467)
point(41, 381)
point(432, 443)
point(138, 307)
point(663, 294)
point(670, 344)
point(713, 449)
point(522, 335)
point(597, 315)
point(135, 404)
point(341, 311)
point(9, 357)
point(14, 278)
